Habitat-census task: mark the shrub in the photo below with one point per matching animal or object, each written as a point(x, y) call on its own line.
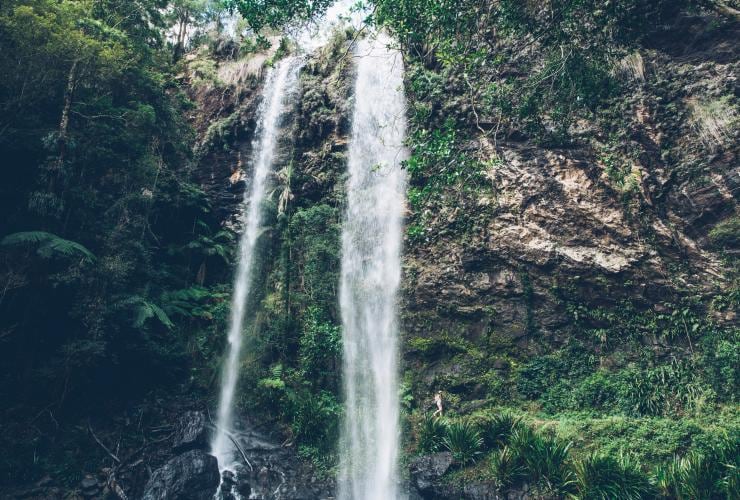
point(507, 468)
point(463, 441)
point(702, 477)
point(602, 477)
point(726, 234)
point(545, 460)
point(496, 431)
point(432, 431)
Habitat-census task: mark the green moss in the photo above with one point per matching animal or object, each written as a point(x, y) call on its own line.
point(726, 234)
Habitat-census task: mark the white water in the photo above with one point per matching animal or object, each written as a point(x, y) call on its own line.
point(279, 84)
point(371, 272)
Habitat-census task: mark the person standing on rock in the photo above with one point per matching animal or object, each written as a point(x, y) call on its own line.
point(438, 402)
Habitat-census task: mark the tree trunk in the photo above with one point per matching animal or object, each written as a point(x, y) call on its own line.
point(181, 33)
point(66, 107)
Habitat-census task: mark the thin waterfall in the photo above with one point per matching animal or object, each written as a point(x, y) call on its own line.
point(370, 276)
point(278, 87)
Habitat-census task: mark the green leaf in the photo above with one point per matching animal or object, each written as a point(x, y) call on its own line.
point(49, 245)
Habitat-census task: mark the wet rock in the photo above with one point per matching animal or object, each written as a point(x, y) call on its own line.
point(426, 470)
point(233, 487)
point(89, 487)
point(278, 473)
point(192, 432)
point(191, 476)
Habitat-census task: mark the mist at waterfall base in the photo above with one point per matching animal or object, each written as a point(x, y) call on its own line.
point(371, 274)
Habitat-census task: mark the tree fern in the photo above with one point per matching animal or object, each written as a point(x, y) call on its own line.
point(48, 245)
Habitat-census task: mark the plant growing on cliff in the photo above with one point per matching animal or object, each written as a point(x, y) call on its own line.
point(496, 429)
point(463, 441)
point(507, 468)
point(601, 477)
point(431, 433)
point(702, 476)
point(545, 460)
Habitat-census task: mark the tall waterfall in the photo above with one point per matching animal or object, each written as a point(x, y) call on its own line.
point(278, 87)
point(371, 272)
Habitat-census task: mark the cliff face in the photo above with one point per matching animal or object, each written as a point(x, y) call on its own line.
point(587, 282)
point(619, 218)
point(584, 283)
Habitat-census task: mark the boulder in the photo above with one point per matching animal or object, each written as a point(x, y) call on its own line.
point(191, 476)
point(191, 432)
point(428, 469)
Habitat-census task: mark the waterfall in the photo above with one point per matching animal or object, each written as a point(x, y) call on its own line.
point(370, 276)
point(279, 84)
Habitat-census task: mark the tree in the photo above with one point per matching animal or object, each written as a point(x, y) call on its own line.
point(276, 13)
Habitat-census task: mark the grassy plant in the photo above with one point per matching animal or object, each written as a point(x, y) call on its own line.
point(603, 477)
point(702, 477)
point(507, 468)
point(463, 441)
point(432, 431)
point(726, 234)
point(632, 66)
point(714, 120)
point(496, 431)
point(545, 460)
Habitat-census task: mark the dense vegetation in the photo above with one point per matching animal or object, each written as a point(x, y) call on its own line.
point(622, 412)
point(116, 262)
point(105, 237)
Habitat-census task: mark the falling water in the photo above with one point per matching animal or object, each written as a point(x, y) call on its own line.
point(277, 89)
point(371, 271)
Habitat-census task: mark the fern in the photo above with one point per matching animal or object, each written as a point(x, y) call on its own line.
point(48, 245)
point(144, 310)
point(188, 302)
point(219, 245)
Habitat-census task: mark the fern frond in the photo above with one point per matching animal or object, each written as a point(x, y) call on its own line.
point(144, 310)
point(49, 245)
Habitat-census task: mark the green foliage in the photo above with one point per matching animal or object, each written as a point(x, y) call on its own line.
point(276, 13)
point(143, 310)
point(507, 468)
point(320, 346)
point(726, 234)
point(545, 460)
point(104, 227)
point(595, 460)
point(496, 429)
point(545, 374)
point(702, 476)
point(602, 477)
point(437, 162)
point(315, 233)
point(569, 77)
point(47, 245)
point(463, 441)
point(431, 433)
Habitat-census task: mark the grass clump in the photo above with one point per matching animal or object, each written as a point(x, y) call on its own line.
point(697, 476)
point(431, 433)
point(463, 440)
point(545, 460)
point(602, 477)
point(507, 468)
